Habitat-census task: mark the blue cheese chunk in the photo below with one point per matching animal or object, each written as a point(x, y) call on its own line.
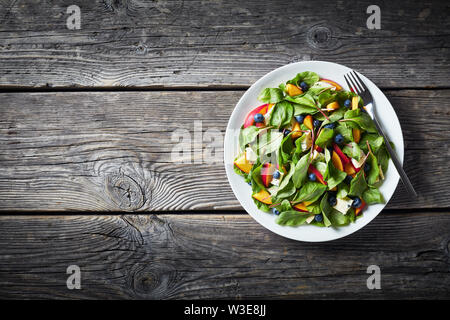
point(306, 142)
point(342, 205)
point(310, 219)
point(250, 155)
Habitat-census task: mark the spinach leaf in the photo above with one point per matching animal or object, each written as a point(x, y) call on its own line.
point(308, 77)
point(292, 218)
point(375, 142)
point(352, 150)
point(338, 219)
point(383, 158)
point(325, 98)
point(362, 119)
point(269, 142)
point(358, 184)
point(374, 172)
point(255, 178)
point(333, 176)
point(304, 104)
point(271, 95)
point(335, 116)
point(346, 131)
point(285, 192)
point(343, 190)
point(311, 191)
point(301, 169)
point(285, 150)
point(372, 196)
point(281, 114)
point(325, 137)
point(247, 136)
point(326, 209)
point(261, 206)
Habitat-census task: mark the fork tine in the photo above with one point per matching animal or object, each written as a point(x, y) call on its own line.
point(363, 85)
point(354, 86)
point(356, 82)
point(348, 83)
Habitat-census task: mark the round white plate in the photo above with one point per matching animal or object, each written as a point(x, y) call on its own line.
point(328, 70)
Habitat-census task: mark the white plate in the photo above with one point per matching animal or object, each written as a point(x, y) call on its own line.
point(248, 102)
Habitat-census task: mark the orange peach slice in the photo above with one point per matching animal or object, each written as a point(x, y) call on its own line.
point(308, 122)
point(356, 135)
point(301, 207)
point(296, 131)
point(293, 90)
point(334, 84)
point(333, 106)
point(355, 103)
point(263, 196)
point(349, 169)
point(243, 164)
point(337, 162)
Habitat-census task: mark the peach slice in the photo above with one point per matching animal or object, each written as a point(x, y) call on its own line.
point(293, 90)
point(296, 131)
point(355, 101)
point(333, 106)
point(356, 135)
point(337, 162)
point(263, 196)
point(267, 173)
point(308, 121)
point(349, 169)
point(334, 84)
point(243, 164)
point(249, 119)
point(341, 155)
point(300, 207)
point(312, 169)
point(358, 210)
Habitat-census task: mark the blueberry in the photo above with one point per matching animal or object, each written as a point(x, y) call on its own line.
point(330, 125)
point(304, 86)
point(348, 179)
point(332, 201)
point(318, 217)
point(347, 103)
point(312, 177)
point(286, 132)
point(339, 138)
point(276, 175)
point(367, 168)
point(356, 203)
point(300, 118)
point(316, 123)
point(275, 211)
point(258, 118)
point(249, 183)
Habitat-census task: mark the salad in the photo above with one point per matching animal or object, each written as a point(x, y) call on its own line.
point(311, 154)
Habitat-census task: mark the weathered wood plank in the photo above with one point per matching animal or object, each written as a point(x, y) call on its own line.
point(218, 43)
point(112, 151)
point(220, 256)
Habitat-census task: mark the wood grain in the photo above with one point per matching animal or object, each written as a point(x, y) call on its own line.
point(218, 43)
point(219, 256)
point(96, 151)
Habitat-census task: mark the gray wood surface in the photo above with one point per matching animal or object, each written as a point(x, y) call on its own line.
point(96, 151)
point(220, 256)
point(218, 43)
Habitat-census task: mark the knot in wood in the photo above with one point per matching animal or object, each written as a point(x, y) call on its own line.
point(125, 191)
point(320, 37)
point(153, 280)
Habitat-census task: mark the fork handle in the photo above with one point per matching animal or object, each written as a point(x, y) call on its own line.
point(394, 158)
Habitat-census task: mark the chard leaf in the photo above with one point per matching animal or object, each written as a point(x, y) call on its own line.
point(358, 184)
point(281, 114)
point(311, 191)
point(271, 95)
point(309, 77)
point(301, 169)
point(372, 196)
point(325, 137)
point(292, 218)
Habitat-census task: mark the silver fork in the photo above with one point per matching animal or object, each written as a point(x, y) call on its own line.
point(355, 83)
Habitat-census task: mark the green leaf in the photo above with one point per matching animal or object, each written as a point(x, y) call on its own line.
point(374, 172)
point(358, 184)
point(343, 190)
point(301, 169)
point(287, 191)
point(292, 218)
point(333, 176)
point(271, 95)
point(372, 196)
point(308, 77)
point(311, 191)
point(383, 158)
point(325, 137)
point(326, 209)
point(353, 151)
point(304, 104)
point(362, 119)
point(335, 116)
point(269, 142)
point(285, 150)
point(247, 136)
point(338, 219)
point(375, 142)
point(281, 114)
point(346, 131)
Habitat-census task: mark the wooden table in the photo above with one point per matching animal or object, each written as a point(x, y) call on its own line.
point(86, 123)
